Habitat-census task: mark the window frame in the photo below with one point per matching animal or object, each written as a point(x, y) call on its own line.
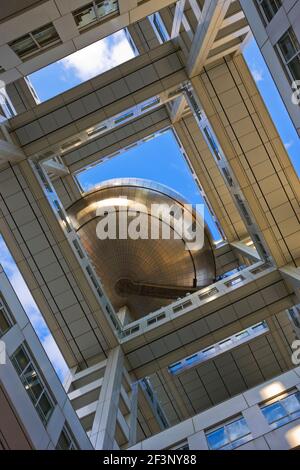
point(294, 40)
point(262, 11)
point(225, 425)
point(45, 388)
point(279, 399)
point(95, 8)
point(38, 47)
point(72, 441)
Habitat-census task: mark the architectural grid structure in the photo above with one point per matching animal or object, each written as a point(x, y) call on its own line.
point(212, 369)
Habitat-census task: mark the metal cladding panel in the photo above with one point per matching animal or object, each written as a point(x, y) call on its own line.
point(143, 274)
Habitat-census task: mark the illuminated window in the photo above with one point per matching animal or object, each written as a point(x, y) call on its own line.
point(269, 8)
point(94, 12)
point(5, 317)
point(229, 436)
point(235, 281)
point(289, 51)
point(282, 410)
point(36, 41)
point(33, 383)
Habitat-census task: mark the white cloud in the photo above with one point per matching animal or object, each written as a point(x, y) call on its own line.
point(99, 57)
point(258, 74)
point(289, 144)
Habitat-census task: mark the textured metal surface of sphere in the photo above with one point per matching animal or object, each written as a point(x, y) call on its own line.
point(142, 274)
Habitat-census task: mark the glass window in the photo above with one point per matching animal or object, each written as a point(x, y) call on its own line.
point(104, 8)
point(192, 359)
point(33, 384)
point(260, 327)
point(175, 367)
point(85, 16)
point(5, 317)
point(242, 335)
point(226, 344)
point(24, 46)
point(123, 117)
point(283, 410)
point(289, 50)
point(45, 35)
point(229, 436)
point(269, 8)
point(93, 12)
point(218, 348)
point(33, 42)
point(234, 282)
point(65, 441)
point(212, 142)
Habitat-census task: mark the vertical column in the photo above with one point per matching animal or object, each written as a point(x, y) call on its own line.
point(104, 425)
point(133, 414)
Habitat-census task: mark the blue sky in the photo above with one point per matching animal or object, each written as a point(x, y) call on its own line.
point(274, 102)
point(81, 66)
point(150, 160)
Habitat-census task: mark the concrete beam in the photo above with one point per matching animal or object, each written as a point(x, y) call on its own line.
point(178, 17)
point(213, 15)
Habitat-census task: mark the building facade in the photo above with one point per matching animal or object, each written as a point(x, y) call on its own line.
point(275, 26)
point(208, 368)
point(35, 410)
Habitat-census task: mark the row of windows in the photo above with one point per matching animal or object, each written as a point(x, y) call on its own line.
point(289, 51)
point(234, 433)
point(288, 47)
point(34, 42)
point(42, 38)
point(33, 383)
point(269, 8)
point(217, 348)
point(32, 380)
point(229, 436)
